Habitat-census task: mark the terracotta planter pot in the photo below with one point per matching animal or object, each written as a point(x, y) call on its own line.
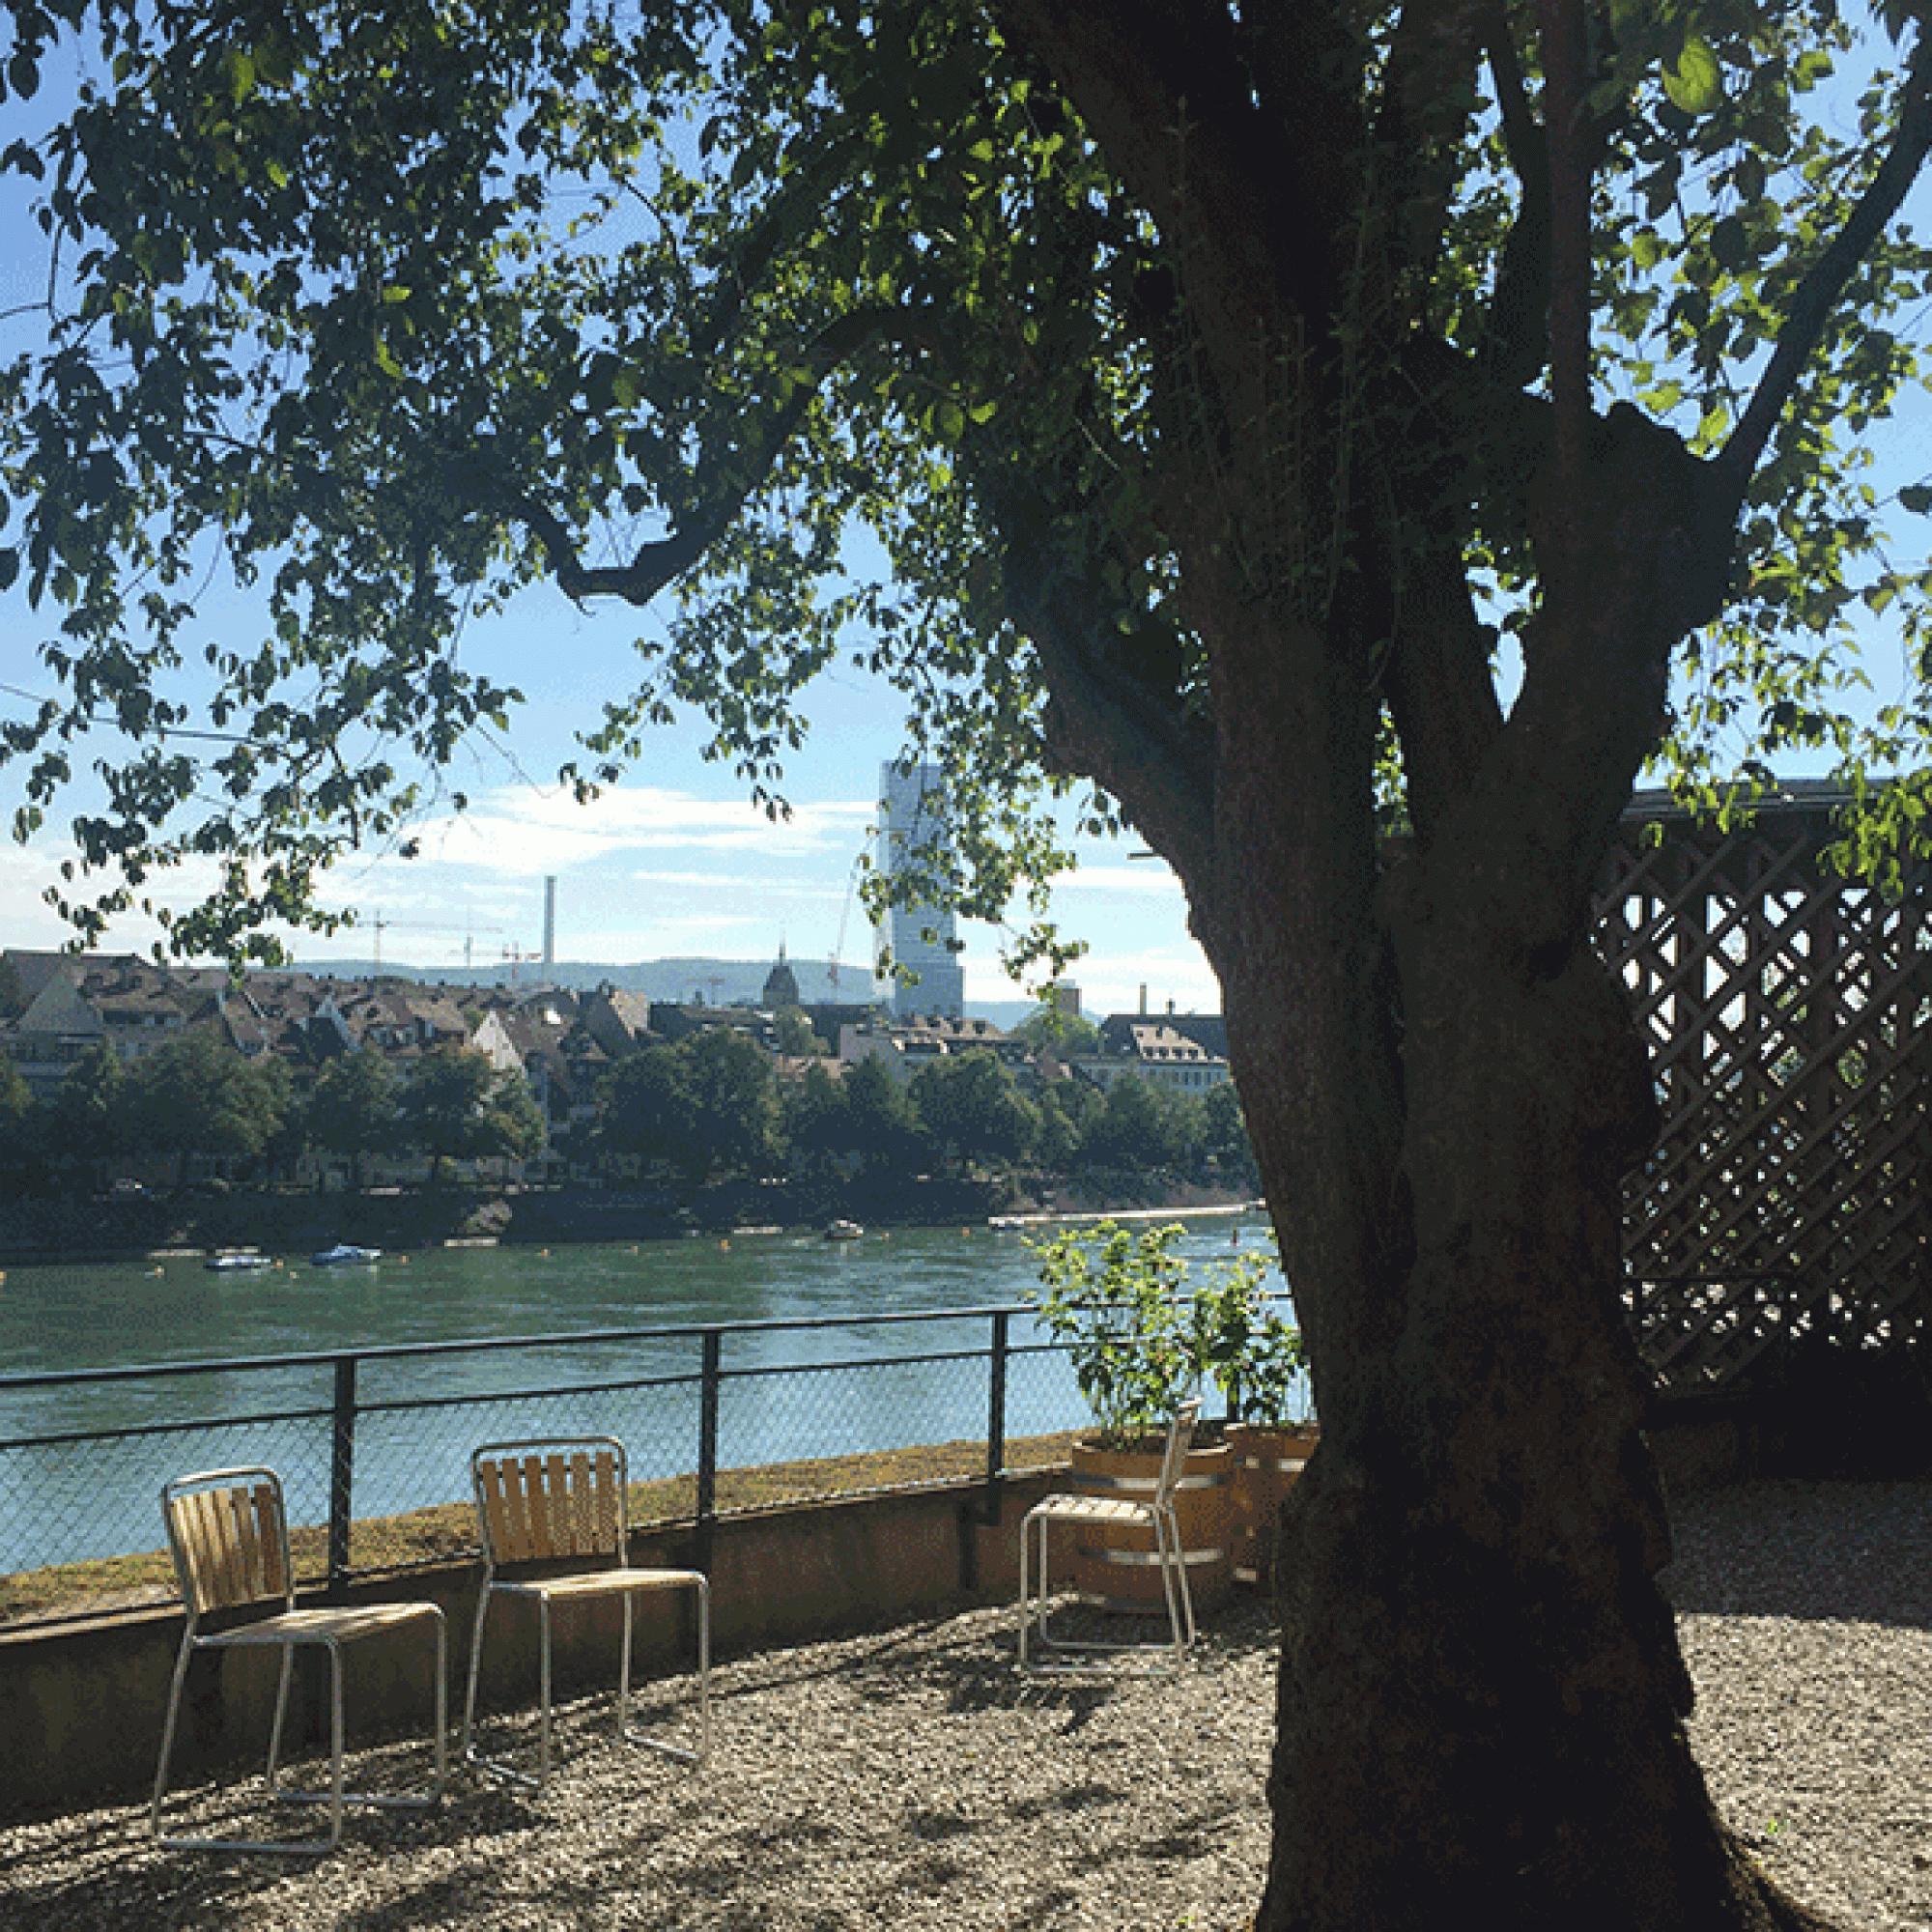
point(1269, 1461)
point(1118, 1567)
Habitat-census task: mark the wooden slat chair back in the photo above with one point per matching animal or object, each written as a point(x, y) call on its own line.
point(229, 1547)
point(553, 1519)
point(229, 1535)
point(554, 1506)
point(1158, 1514)
point(1174, 1457)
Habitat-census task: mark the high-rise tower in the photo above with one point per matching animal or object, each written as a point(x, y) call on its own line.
point(913, 829)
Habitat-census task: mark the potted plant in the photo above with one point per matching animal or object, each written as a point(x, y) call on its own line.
point(1256, 1359)
point(1116, 1302)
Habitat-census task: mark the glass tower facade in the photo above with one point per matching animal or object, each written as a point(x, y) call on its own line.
point(912, 823)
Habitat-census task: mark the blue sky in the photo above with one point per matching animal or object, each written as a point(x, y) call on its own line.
point(674, 861)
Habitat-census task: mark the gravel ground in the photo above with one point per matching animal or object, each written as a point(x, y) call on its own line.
point(908, 1779)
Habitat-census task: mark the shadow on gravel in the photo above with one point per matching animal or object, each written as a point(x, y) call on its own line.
point(1845, 1551)
point(674, 1849)
point(974, 1664)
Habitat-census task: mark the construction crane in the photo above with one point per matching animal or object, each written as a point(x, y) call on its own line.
point(838, 958)
point(469, 931)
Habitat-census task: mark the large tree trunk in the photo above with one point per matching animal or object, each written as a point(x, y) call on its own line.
point(1481, 1696)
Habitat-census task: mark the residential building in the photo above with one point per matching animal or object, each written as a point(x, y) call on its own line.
point(1157, 1051)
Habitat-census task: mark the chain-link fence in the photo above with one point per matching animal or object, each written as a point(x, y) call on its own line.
point(373, 1446)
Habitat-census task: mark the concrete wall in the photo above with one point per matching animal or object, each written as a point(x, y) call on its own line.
point(81, 1708)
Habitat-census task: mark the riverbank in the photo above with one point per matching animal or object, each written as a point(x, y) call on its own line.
point(122, 1227)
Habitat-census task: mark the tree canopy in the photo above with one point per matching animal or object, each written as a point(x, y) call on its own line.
point(973, 1108)
point(393, 311)
point(1275, 425)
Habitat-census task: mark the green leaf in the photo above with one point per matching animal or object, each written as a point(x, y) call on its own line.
point(1694, 85)
point(1917, 497)
point(1731, 244)
point(238, 69)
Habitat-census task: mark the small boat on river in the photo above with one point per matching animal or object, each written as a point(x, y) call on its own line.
point(842, 1230)
point(345, 1254)
point(238, 1263)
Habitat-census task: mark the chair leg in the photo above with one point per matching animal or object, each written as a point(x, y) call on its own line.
point(475, 1664)
point(281, 1712)
point(1036, 1587)
point(1026, 1537)
point(624, 1671)
point(334, 1744)
point(704, 1587)
point(1180, 1573)
point(337, 1797)
point(700, 1585)
point(1035, 1590)
point(545, 1699)
point(1170, 1565)
point(543, 1681)
point(168, 1733)
point(497, 1767)
point(441, 1707)
point(1043, 1588)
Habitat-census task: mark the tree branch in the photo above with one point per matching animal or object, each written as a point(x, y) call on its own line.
point(1427, 100)
point(1515, 331)
point(1565, 66)
point(1117, 713)
point(1441, 693)
point(661, 563)
point(1818, 293)
point(1243, 193)
point(804, 193)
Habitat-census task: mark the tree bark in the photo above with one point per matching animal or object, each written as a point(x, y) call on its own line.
point(1482, 1697)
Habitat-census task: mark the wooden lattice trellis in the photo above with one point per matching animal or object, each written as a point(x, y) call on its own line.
point(1790, 1194)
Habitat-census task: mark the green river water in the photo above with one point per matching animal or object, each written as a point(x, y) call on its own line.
point(81, 1461)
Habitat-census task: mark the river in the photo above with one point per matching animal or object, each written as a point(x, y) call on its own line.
point(100, 1496)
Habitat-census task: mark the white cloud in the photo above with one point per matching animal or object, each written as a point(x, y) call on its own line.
point(536, 833)
point(646, 873)
point(1150, 881)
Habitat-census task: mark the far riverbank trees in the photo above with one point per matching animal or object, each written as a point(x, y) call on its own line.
point(708, 1108)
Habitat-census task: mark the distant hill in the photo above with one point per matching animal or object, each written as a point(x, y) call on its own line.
point(717, 983)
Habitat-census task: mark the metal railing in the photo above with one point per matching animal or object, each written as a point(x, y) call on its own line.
point(373, 1444)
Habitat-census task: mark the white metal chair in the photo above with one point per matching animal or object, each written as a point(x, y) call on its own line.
point(546, 1508)
point(1158, 1513)
point(228, 1529)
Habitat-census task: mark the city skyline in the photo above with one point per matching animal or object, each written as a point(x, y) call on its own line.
point(672, 861)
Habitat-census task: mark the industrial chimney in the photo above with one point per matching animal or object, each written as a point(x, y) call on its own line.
point(549, 928)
